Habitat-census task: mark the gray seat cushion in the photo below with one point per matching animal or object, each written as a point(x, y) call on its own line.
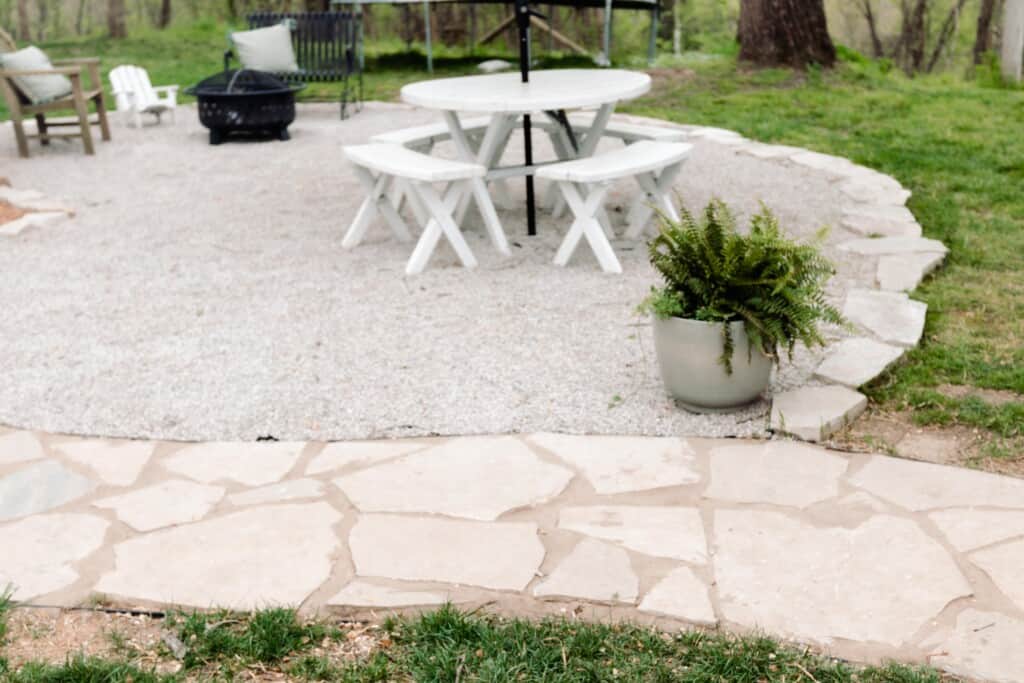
point(36, 89)
point(266, 49)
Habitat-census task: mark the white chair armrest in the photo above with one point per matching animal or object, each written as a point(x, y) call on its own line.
point(168, 94)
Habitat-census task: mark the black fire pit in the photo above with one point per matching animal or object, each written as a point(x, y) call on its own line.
point(245, 103)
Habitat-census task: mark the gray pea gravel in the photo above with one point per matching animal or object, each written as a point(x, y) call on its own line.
point(201, 293)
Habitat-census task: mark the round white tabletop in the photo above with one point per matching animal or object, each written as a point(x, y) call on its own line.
point(547, 90)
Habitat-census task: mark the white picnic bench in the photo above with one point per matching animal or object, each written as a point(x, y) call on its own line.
point(397, 164)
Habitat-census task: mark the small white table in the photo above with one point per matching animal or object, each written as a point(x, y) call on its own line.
point(506, 98)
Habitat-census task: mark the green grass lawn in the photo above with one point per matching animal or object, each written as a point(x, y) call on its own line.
point(957, 144)
point(446, 646)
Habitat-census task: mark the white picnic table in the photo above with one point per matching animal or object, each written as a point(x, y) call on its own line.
point(506, 98)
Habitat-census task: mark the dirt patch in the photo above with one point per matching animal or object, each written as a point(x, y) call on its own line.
point(9, 212)
point(995, 397)
point(897, 434)
point(52, 635)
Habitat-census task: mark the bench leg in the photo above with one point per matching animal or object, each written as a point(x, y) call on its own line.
point(376, 201)
point(20, 137)
point(441, 222)
point(586, 224)
point(655, 197)
point(44, 139)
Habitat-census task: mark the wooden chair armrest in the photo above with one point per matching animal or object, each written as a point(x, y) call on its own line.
point(167, 88)
point(77, 60)
point(60, 70)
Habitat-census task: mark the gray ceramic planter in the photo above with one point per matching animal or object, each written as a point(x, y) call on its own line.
point(688, 353)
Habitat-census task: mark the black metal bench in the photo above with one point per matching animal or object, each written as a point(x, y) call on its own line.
point(328, 47)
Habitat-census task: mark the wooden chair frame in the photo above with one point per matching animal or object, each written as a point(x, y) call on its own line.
point(79, 100)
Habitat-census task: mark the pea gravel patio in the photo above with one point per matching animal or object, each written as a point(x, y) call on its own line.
point(201, 293)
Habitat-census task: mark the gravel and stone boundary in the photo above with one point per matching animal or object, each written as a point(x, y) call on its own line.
point(200, 293)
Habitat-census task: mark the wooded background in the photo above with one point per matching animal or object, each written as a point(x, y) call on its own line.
point(916, 35)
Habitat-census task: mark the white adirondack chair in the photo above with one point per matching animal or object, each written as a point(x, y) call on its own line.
point(136, 96)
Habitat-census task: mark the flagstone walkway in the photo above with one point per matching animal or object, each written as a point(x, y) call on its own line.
point(869, 556)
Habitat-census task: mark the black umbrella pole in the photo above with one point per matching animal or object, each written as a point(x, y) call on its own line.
point(531, 213)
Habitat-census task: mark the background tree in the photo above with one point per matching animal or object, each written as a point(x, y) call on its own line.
point(983, 34)
point(116, 25)
point(163, 19)
point(24, 25)
point(785, 32)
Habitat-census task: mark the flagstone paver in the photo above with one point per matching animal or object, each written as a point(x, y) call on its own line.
point(659, 531)
point(857, 360)
point(617, 464)
point(476, 478)
point(592, 571)
point(969, 528)
point(499, 555)
point(904, 272)
point(875, 193)
point(888, 221)
point(365, 594)
point(274, 555)
point(878, 246)
point(278, 493)
point(1004, 563)
point(38, 553)
point(252, 464)
point(19, 447)
point(924, 486)
point(815, 413)
point(982, 645)
point(682, 595)
point(880, 581)
point(892, 317)
point(336, 456)
point(39, 487)
point(170, 502)
point(118, 463)
point(862, 553)
point(779, 472)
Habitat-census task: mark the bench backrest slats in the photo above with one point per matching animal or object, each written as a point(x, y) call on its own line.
point(325, 43)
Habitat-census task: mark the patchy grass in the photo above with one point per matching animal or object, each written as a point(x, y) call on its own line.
point(448, 645)
point(266, 637)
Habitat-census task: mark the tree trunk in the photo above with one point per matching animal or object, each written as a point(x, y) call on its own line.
point(116, 25)
point(785, 32)
point(915, 26)
point(24, 25)
point(164, 18)
point(983, 36)
point(949, 28)
point(80, 18)
point(869, 16)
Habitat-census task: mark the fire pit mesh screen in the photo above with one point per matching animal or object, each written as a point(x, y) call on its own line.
point(245, 101)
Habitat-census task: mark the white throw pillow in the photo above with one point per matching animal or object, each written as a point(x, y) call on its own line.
point(38, 89)
point(266, 49)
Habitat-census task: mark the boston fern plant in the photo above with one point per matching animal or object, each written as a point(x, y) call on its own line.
point(713, 273)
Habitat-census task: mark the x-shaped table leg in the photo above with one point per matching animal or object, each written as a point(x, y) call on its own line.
point(441, 222)
point(656, 193)
point(586, 224)
point(376, 201)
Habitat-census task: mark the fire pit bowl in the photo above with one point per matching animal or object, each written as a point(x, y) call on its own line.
point(245, 102)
